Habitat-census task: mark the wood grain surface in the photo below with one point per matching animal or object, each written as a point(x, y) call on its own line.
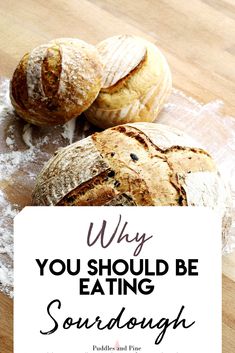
point(6, 324)
point(197, 38)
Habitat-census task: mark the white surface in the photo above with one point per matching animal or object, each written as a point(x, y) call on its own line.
point(61, 232)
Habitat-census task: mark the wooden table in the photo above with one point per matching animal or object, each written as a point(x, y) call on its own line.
point(197, 38)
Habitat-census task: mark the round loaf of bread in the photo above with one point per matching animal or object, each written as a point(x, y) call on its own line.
point(141, 164)
point(56, 82)
point(136, 82)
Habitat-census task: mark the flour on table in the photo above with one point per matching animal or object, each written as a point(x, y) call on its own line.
point(24, 149)
point(27, 135)
point(69, 129)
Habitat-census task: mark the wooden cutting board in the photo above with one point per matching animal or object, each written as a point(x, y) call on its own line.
point(197, 38)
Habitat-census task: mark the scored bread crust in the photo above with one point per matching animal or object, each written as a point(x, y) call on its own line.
point(140, 164)
point(120, 56)
point(150, 162)
point(145, 155)
point(136, 82)
point(56, 82)
point(70, 167)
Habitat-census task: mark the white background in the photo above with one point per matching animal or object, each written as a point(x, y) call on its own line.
point(61, 232)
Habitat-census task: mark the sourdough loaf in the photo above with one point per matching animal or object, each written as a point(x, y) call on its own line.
point(56, 82)
point(134, 164)
point(136, 82)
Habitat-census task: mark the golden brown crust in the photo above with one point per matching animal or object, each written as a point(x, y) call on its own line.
point(153, 172)
point(121, 200)
point(60, 80)
point(134, 95)
point(51, 71)
point(70, 168)
point(120, 55)
point(19, 90)
point(95, 192)
point(122, 81)
point(148, 162)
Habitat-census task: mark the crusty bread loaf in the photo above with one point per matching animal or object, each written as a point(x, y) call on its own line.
point(135, 164)
point(136, 82)
point(56, 82)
